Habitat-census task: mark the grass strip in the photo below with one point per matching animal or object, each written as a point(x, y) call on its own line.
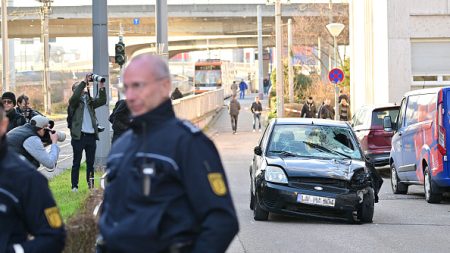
point(69, 202)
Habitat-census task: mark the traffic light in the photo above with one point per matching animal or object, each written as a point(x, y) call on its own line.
point(120, 53)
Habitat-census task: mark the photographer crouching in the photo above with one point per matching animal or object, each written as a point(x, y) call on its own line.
point(30, 140)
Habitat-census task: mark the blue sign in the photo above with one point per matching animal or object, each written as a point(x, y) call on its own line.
point(136, 21)
point(336, 75)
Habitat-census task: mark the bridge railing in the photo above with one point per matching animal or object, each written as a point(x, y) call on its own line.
point(199, 109)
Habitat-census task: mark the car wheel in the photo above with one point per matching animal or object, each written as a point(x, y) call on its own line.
point(258, 213)
point(397, 186)
point(366, 210)
point(430, 194)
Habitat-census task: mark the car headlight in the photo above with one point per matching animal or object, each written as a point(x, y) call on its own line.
point(275, 175)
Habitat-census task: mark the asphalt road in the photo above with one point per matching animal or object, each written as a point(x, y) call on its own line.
point(402, 223)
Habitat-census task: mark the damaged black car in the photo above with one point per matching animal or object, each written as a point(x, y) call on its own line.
point(312, 167)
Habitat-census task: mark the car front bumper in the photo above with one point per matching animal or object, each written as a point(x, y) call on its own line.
point(282, 199)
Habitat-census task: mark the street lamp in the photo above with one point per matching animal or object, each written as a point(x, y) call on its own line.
point(335, 29)
point(278, 46)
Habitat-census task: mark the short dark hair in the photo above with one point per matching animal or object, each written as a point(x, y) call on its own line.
point(22, 98)
point(310, 97)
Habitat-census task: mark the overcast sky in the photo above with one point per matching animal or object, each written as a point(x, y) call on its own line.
point(138, 2)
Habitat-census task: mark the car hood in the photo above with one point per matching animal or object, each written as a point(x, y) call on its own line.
point(300, 167)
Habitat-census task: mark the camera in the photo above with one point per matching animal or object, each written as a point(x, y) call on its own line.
point(98, 78)
point(46, 138)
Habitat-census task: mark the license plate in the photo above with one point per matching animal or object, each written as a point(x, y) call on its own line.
point(315, 200)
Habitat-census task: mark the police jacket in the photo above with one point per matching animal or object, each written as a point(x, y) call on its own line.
point(15, 119)
point(26, 208)
point(166, 185)
point(17, 136)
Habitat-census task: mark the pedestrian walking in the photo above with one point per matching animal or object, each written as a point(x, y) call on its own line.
point(256, 109)
point(326, 111)
point(9, 103)
point(120, 119)
point(344, 110)
point(234, 88)
point(29, 218)
point(234, 108)
point(242, 88)
point(84, 129)
point(266, 86)
point(309, 109)
point(166, 188)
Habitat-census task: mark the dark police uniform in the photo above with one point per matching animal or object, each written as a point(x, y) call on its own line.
point(26, 208)
point(166, 187)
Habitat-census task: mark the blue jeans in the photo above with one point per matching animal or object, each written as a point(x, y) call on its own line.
point(256, 116)
point(242, 94)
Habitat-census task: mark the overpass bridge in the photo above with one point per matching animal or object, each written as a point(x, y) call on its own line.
point(184, 20)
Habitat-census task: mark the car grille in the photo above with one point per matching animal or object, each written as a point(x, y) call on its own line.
point(316, 210)
point(311, 182)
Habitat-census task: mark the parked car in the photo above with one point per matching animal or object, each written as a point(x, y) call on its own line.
point(367, 123)
point(312, 167)
point(419, 144)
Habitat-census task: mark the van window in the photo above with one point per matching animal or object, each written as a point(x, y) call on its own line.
point(426, 107)
point(412, 115)
point(401, 114)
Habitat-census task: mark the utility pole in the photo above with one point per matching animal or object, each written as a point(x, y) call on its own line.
point(290, 67)
point(101, 67)
point(260, 54)
point(279, 45)
point(45, 10)
point(5, 47)
point(162, 37)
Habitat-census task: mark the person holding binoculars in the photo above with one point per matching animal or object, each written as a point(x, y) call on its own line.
point(29, 140)
point(83, 126)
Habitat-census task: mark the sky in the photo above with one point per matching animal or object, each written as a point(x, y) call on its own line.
point(20, 3)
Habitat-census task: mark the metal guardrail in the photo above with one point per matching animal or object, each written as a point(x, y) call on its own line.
point(196, 107)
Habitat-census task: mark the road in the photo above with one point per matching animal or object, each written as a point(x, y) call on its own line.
point(402, 223)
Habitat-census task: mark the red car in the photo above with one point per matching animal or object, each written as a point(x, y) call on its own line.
point(367, 124)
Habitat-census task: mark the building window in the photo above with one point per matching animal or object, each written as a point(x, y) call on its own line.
point(425, 78)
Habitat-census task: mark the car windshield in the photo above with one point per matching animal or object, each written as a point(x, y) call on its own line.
point(326, 142)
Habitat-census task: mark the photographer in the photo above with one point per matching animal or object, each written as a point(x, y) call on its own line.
point(83, 126)
point(28, 140)
point(23, 108)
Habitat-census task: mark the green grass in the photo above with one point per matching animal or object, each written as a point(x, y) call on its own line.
point(69, 202)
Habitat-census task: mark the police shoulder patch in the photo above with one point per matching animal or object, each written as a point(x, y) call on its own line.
point(53, 217)
point(217, 183)
point(191, 127)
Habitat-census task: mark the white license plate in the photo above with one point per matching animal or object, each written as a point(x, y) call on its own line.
point(315, 200)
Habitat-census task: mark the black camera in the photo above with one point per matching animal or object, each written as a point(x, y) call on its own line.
point(46, 138)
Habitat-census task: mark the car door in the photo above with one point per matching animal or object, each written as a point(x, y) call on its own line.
point(396, 153)
point(407, 170)
point(259, 159)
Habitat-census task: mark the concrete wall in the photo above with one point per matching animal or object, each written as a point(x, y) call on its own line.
point(381, 33)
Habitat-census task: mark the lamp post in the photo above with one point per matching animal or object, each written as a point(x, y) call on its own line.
point(5, 55)
point(335, 29)
point(278, 46)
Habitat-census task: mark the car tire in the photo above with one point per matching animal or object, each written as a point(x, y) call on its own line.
point(258, 213)
point(430, 193)
point(367, 208)
point(397, 186)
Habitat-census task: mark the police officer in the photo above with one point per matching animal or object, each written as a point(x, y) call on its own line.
point(166, 188)
point(26, 205)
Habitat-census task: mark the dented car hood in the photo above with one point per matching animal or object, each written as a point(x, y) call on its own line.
point(324, 168)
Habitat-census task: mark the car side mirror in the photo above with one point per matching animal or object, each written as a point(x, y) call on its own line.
point(387, 124)
point(257, 150)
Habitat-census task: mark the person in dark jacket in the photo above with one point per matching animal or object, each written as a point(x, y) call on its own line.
point(344, 110)
point(242, 88)
point(256, 109)
point(23, 108)
point(166, 188)
point(15, 119)
point(234, 107)
point(29, 218)
point(120, 119)
point(326, 111)
point(176, 94)
point(84, 128)
point(309, 109)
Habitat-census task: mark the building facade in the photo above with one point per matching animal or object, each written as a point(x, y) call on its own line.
point(398, 46)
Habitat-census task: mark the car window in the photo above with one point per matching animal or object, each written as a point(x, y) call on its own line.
point(426, 107)
point(360, 117)
point(379, 114)
point(401, 113)
point(412, 115)
point(328, 142)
